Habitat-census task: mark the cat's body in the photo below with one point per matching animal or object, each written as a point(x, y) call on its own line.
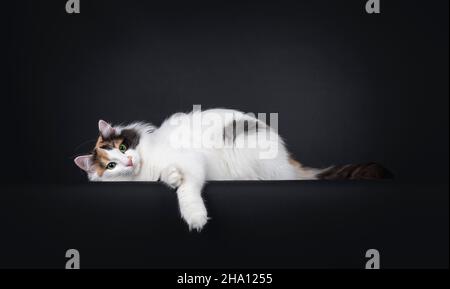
point(189, 149)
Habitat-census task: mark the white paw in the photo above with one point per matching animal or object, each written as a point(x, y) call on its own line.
point(196, 217)
point(172, 176)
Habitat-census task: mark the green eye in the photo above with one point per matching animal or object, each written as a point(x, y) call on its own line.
point(111, 165)
point(123, 148)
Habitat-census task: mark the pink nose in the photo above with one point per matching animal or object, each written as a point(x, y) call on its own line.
point(130, 162)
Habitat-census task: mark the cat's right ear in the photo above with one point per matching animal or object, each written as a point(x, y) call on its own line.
point(106, 130)
point(84, 162)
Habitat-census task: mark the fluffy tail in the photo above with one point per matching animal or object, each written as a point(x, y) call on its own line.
point(367, 171)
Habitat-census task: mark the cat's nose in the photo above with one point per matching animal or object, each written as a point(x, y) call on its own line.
point(130, 162)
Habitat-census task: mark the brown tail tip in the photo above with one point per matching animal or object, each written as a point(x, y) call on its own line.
point(368, 171)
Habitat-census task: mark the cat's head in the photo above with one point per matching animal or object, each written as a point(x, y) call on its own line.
point(115, 156)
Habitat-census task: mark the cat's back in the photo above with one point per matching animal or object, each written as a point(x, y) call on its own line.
point(196, 119)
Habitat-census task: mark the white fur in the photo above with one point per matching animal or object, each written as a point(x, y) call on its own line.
point(183, 164)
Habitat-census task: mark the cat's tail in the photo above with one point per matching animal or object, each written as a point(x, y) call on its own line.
point(366, 171)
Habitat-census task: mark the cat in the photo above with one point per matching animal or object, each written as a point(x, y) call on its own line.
point(189, 149)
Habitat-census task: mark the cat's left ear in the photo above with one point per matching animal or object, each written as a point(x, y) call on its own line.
point(106, 130)
point(84, 162)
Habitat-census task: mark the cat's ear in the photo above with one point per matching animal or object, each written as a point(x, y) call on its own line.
point(106, 130)
point(84, 162)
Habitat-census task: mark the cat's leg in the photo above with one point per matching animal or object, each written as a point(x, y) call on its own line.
point(189, 179)
point(192, 207)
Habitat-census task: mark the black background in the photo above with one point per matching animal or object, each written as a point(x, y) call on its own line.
point(348, 86)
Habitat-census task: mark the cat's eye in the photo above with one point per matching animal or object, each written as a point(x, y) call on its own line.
point(123, 148)
point(111, 165)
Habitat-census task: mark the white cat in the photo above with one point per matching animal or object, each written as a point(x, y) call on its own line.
point(189, 149)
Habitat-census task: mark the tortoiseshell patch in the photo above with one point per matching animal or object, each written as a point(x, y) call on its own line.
point(100, 160)
point(128, 137)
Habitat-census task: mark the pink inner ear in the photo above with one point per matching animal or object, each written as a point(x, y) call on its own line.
point(105, 128)
point(83, 162)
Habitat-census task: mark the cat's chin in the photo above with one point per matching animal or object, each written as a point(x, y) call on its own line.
point(130, 171)
point(134, 171)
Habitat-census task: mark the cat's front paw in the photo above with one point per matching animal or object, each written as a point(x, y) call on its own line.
point(196, 218)
point(172, 176)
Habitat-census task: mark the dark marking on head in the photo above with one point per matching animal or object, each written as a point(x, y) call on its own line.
point(130, 138)
point(106, 146)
